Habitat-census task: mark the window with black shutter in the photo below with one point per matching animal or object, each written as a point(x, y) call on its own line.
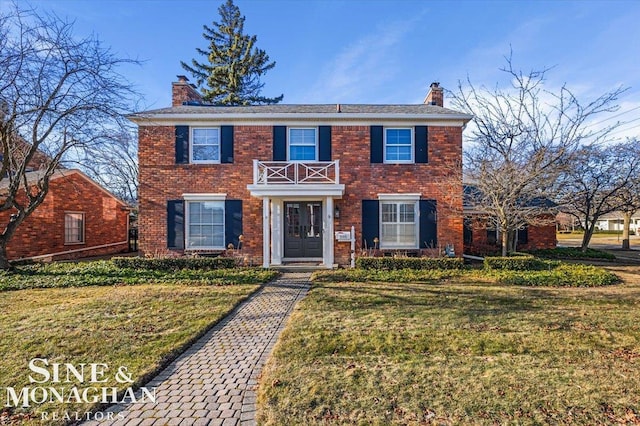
point(376, 134)
point(175, 224)
point(428, 224)
point(279, 143)
point(226, 144)
point(370, 224)
point(233, 222)
point(182, 144)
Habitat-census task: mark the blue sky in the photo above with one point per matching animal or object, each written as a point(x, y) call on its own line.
point(379, 51)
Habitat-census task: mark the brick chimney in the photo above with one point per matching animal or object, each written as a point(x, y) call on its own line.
point(435, 95)
point(182, 91)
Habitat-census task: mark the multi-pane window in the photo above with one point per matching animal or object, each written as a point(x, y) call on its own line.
point(398, 224)
point(303, 144)
point(398, 146)
point(205, 145)
point(205, 228)
point(74, 228)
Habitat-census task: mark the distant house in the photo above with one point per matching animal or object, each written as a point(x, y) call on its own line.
point(481, 235)
point(614, 221)
point(288, 177)
point(78, 218)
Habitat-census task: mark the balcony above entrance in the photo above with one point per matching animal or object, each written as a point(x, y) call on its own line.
point(296, 178)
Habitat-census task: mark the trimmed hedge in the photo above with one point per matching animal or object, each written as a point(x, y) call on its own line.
point(515, 263)
point(563, 275)
point(572, 253)
point(416, 263)
point(105, 272)
point(377, 275)
point(174, 263)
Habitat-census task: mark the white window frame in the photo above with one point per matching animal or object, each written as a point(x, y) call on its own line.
point(203, 198)
point(317, 147)
point(401, 199)
point(412, 148)
point(82, 229)
point(191, 144)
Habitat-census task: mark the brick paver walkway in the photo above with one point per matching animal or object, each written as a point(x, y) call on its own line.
point(214, 381)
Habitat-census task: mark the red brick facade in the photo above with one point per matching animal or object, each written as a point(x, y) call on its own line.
point(42, 234)
point(164, 179)
point(364, 180)
point(477, 237)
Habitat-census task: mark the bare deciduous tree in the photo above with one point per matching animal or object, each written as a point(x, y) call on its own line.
point(602, 179)
point(630, 195)
point(115, 165)
point(58, 94)
point(521, 140)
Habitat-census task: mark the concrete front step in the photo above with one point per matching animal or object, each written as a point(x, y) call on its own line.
point(300, 267)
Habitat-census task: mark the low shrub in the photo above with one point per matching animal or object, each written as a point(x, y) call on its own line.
point(572, 253)
point(416, 263)
point(104, 273)
point(378, 275)
point(563, 275)
point(174, 263)
point(515, 263)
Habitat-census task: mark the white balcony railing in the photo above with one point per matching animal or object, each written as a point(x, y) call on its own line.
point(295, 173)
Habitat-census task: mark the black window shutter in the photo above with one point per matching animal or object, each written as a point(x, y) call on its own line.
point(492, 236)
point(226, 144)
point(175, 224)
point(232, 222)
point(428, 224)
point(468, 231)
point(377, 142)
point(279, 143)
point(324, 140)
point(421, 151)
point(523, 235)
point(370, 222)
point(182, 144)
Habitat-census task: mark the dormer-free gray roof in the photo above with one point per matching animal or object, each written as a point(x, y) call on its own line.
point(332, 112)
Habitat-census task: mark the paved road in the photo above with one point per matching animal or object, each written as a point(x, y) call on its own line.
point(213, 382)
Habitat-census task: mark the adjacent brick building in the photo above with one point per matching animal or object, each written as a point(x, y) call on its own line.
point(277, 181)
point(77, 219)
point(482, 237)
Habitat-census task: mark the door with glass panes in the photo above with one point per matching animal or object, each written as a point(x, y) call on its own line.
point(303, 229)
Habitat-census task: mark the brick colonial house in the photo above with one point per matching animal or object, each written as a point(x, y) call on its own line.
point(287, 177)
point(78, 218)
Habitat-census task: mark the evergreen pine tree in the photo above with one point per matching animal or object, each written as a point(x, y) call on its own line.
point(231, 75)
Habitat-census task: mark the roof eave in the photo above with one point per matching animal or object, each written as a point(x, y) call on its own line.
point(170, 118)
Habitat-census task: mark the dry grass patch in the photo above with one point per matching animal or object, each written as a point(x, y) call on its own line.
point(459, 352)
point(140, 327)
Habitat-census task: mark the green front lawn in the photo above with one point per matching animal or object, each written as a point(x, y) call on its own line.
point(98, 316)
point(461, 350)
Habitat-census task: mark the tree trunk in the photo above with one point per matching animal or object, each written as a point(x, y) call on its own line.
point(505, 242)
point(625, 230)
point(586, 238)
point(513, 241)
point(4, 260)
